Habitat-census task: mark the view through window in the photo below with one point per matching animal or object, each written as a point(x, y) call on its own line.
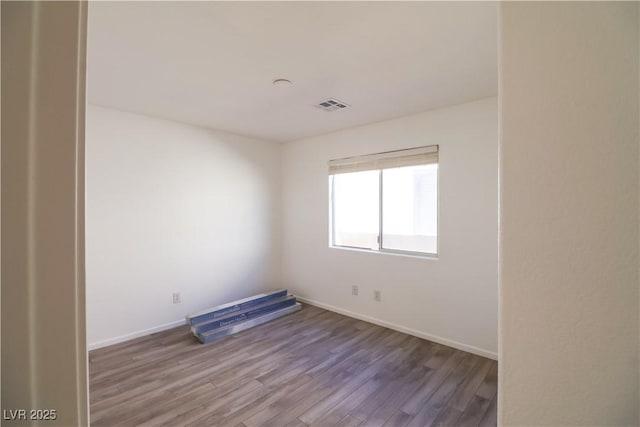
point(386, 208)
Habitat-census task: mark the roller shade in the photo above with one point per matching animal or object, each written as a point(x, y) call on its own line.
point(387, 160)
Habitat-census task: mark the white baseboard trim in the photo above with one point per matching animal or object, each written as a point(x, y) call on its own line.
point(409, 331)
point(134, 335)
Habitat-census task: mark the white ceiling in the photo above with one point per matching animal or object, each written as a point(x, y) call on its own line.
point(213, 63)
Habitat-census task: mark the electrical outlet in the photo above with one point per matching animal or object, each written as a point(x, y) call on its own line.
point(354, 290)
point(176, 298)
point(377, 295)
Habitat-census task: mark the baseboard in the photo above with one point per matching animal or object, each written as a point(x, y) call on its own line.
point(134, 335)
point(409, 331)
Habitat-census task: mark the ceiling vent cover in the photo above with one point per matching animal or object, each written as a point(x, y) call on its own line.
point(332, 104)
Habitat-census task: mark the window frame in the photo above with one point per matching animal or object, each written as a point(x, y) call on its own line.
point(381, 249)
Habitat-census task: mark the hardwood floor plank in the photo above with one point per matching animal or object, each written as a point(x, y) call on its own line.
point(490, 418)
point(448, 417)
point(313, 367)
point(326, 380)
point(438, 401)
point(402, 389)
point(399, 419)
point(333, 378)
point(342, 408)
point(474, 412)
point(314, 414)
point(232, 406)
point(443, 369)
point(362, 411)
point(179, 410)
point(489, 385)
point(254, 404)
point(277, 414)
point(221, 398)
point(349, 421)
point(332, 386)
point(372, 371)
point(465, 393)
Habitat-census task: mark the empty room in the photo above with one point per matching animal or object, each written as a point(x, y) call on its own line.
point(320, 213)
point(333, 150)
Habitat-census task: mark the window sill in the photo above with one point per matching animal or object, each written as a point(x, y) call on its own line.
point(433, 257)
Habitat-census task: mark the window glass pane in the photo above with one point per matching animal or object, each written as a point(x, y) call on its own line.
point(356, 209)
point(410, 208)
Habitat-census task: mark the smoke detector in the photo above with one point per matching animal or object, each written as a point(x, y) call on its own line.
point(331, 104)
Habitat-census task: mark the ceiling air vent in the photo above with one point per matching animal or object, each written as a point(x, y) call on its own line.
point(332, 104)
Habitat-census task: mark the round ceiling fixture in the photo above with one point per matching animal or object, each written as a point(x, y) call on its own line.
point(282, 82)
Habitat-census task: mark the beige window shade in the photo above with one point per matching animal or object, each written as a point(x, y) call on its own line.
point(388, 160)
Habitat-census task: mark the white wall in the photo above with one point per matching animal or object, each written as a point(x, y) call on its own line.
point(453, 299)
point(569, 213)
point(44, 352)
point(173, 207)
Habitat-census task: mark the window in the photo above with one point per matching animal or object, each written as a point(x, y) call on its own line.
point(386, 202)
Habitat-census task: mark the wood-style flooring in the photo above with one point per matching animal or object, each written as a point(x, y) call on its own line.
point(310, 368)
